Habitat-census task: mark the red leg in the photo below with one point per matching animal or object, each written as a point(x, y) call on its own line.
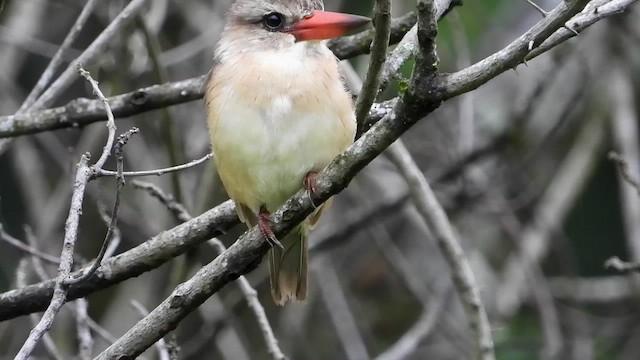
point(264, 220)
point(309, 183)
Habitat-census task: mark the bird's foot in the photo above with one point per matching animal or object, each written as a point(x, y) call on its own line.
point(264, 224)
point(309, 183)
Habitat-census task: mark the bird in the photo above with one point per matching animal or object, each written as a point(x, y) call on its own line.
point(278, 112)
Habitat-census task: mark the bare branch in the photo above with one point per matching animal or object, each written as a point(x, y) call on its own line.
point(111, 228)
point(81, 112)
point(479, 73)
point(420, 330)
point(157, 172)
point(591, 14)
point(90, 54)
point(147, 256)
point(26, 248)
point(340, 313)
point(623, 167)
point(436, 219)
point(47, 341)
point(626, 267)
point(250, 294)
point(66, 261)
point(161, 345)
point(85, 340)
point(58, 58)
point(379, 47)
point(83, 176)
point(177, 209)
point(552, 208)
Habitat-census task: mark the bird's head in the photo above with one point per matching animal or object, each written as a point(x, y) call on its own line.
point(275, 24)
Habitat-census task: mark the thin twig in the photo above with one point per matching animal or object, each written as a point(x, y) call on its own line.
point(623, 167)
point(116, 237)
point(36, 261)
point(588, 17)
point(379, 47)
point(94, 50)
point(177, 209)
point(424, 325)
point(85, 340)
point(83, 176)
point(553, 207)
point(250, 294)
point(59, 56)
point(102, 332)
point(111, 124)
point(119, 155)
point(340, 313)
point(543, 12)
point(434, 216)
point(157, 172)
point(161, 345)
point(47, 341)
point(26, 248)
point(616, 264)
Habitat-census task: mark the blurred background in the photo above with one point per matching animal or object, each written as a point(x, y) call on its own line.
point(519, 164)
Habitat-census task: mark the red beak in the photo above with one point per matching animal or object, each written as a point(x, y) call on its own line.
point(323, 25)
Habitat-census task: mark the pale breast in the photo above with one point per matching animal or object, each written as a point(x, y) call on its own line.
point(272, 121)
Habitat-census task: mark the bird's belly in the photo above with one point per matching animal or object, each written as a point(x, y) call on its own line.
point(263, 154)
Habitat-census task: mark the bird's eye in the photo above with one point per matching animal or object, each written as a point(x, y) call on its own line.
point(274, 21)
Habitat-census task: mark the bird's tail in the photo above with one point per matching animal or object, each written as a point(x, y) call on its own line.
point(288, 267)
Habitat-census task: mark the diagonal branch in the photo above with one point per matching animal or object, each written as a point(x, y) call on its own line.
point(379, 47)
point(246, 253)
point(81, 112)
point(398, 116)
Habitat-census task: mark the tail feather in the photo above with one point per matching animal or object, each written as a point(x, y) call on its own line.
point(288, 267)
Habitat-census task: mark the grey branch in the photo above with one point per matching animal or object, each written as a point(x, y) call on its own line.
point(90, 54)
point(245, 254)
point(250, 294)
point(436, 219)
point(81, 112)
point(83, 176)
point(58, 58)
point(623, 167)
point(379, 47)
point(157, 172)
point(622, 266)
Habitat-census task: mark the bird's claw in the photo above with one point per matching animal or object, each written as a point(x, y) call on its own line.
point(309, 184)
point(264, 220)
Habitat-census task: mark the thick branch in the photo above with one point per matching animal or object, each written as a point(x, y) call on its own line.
point(147, 256)
point(176, 241)
point(81, 112)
